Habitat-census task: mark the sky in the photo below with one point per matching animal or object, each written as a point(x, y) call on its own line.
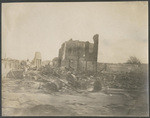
point(42, 27)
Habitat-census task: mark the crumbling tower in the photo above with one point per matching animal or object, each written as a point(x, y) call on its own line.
point(37, 59)
point(92, 56)
point(95, 52)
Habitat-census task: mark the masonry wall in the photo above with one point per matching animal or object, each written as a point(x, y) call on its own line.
point(120, 67)
point(74, 54)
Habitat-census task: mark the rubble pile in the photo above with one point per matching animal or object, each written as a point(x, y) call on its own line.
point(66, 79)
point(135, 79)
point(49, 71)
point(16, 74)
point(53, 79)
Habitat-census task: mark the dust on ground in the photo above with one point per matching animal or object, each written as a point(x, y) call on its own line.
point(27, 97)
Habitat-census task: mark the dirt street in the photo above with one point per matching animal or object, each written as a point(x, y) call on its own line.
point(19, 99)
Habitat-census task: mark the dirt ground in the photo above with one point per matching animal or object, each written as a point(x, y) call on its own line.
point(25, 98)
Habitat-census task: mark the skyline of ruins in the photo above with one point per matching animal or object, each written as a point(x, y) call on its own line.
point(122, 29)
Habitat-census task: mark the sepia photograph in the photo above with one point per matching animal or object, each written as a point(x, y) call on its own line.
point(75, 59)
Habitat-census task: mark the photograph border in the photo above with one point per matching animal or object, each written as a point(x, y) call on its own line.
point(33, 1)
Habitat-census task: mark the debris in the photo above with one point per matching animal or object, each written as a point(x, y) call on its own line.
point(52, 87)
point(56, 79)
point(16, 74)
point(97, 85)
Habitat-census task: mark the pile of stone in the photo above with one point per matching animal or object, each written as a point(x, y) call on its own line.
point(52, 79)
point(135, 79)
point(16, 74)
point(63, 79)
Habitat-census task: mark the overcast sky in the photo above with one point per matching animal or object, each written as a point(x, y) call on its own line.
point(43, 27)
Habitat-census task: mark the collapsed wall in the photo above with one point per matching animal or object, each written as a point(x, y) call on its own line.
point(79, 55)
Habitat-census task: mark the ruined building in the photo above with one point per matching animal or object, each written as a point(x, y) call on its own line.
point(9, 64)
point(37, 60)
point(79, 55)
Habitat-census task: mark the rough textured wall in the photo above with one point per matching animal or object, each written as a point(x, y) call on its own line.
point(91, 50)
point(75, 53)
point(75, 50)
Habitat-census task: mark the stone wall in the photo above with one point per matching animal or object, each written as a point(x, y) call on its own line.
point(110, 67)
point(75, 54)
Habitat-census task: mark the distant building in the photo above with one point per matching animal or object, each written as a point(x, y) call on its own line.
point(37, 60)
point(79, 55)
